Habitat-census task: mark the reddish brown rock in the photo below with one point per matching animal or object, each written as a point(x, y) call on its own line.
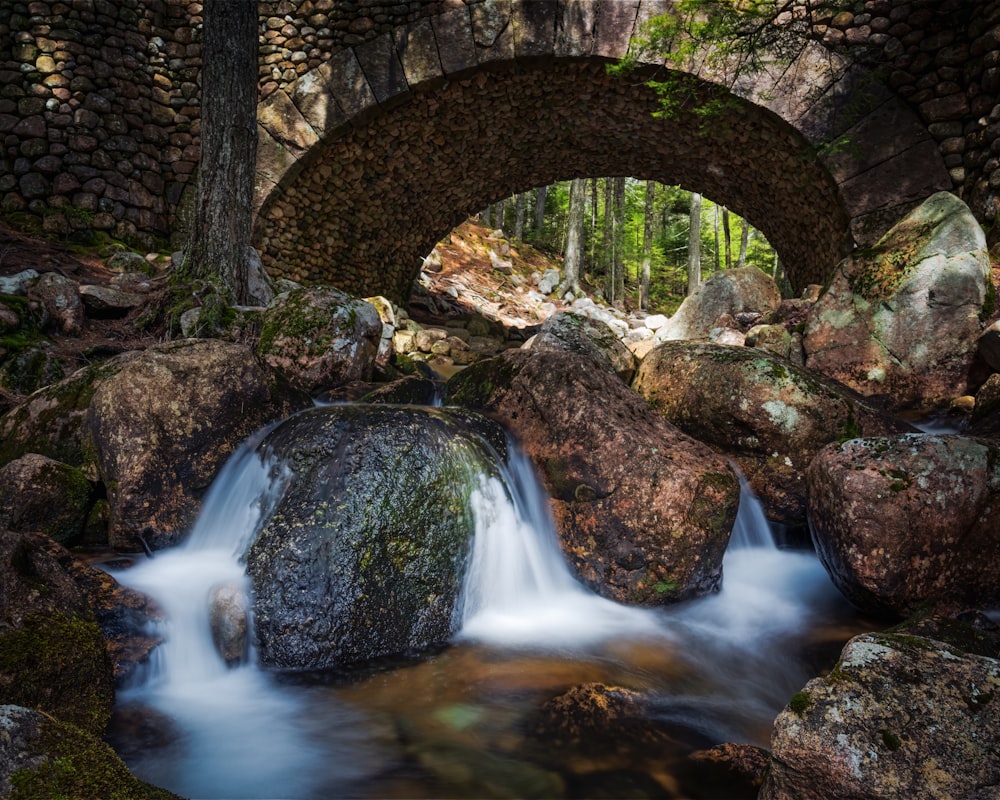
point(909, 522)
point(643, 511)
point(769, 414)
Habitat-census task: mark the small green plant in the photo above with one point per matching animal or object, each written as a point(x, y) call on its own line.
point(800, 703)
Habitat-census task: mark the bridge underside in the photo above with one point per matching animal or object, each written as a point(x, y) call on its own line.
point(363, 208)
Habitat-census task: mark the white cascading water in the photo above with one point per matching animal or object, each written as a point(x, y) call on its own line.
point(241, 734)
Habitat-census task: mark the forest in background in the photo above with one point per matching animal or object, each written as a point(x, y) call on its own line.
point(621, 229)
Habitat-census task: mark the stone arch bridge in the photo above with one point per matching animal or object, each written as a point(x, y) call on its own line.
point(369, 158)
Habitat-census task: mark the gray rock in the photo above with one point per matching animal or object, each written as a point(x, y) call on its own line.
point(18, 283)
point(549, 281)
point(901, 319)
point(732, 291)
point(229, 612)
point(773, 338)
point(106, 302)
point(590, 337)
point(127, 261)
point(898, 716)
point(60, 299)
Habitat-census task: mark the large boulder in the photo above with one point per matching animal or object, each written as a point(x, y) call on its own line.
point(769, 414)
point(910, 521)
point(576, 333)
point(165, 422)
point(898, 716)
point(902, 319)
point(363, 555)
point(643, 512)
point(41, 757)
point(321, 337)
point(52, 653)
point(45, 496)
point(729, 292)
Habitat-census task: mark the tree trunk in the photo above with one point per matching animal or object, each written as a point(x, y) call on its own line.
point(744, 242)
point(540, 211)
point(608, 242)
point(219, 246)
point(522, 200)
point(647, 244)
point(718, 265)
point(694, 245)
point(619, 240)
point(486, 217)
point(728, 236)
point(573, 259)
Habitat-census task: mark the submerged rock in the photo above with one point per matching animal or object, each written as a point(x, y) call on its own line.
point(643, 511)
point(363, 555)
point(902, 319)
point(898, 716)
point(909, 522)
point(769, 414)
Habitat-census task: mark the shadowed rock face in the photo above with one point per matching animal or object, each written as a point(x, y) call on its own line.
point(909, 522)
point(363, 555)
point(643, 511)
point(902, 319)
point(898, 716)
point(769, 414)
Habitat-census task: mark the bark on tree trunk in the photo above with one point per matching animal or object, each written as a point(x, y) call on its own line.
point(717, 262)
point(647, 244)
point(694, 245)
point(522, 200)
point(729, 237)
point(540, 211)
point(744, 242)
point(219, 246)
point(609, 242)
point(574, 238)
point(619, 251)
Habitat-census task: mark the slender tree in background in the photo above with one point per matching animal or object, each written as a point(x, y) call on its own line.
point(647, 244)
point(694, 245)
point(522, 200)
point(486, 216)
point(619, 240)
point(573, 260)
point(540, 211)
point(715, 229)
point(608, 239)
point(219, 245)
point(744, 242)
point(728, 236)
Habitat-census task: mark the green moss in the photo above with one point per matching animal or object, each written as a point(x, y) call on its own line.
point(662, 587)
point(78, 765)
point(800, 703)
point(58, 664)
point(989, 302)
point(890, 740)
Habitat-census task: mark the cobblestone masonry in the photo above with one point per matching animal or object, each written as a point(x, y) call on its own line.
point(99, 119)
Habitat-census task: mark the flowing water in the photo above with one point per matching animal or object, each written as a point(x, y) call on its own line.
point(458, 723)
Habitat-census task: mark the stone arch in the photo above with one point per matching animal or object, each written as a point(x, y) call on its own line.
point(410, 132)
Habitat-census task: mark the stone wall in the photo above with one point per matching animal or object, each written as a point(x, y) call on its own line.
point(99, 98)
point(98, 113)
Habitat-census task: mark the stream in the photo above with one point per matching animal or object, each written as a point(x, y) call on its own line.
point(460, 722)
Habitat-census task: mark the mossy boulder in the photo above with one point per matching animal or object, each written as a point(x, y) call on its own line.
point(52, 653)
point(363, 555)
point(45, 496)
point(576, 333)
point(909, 522)
point(321, 337)
point(901, 320)
point(769, 414)
point(164, 423)
point(42, 758)
point(643, 511)
point(898, 716)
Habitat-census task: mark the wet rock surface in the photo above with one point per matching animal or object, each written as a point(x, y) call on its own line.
point(363, 555)
point(643, 511)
